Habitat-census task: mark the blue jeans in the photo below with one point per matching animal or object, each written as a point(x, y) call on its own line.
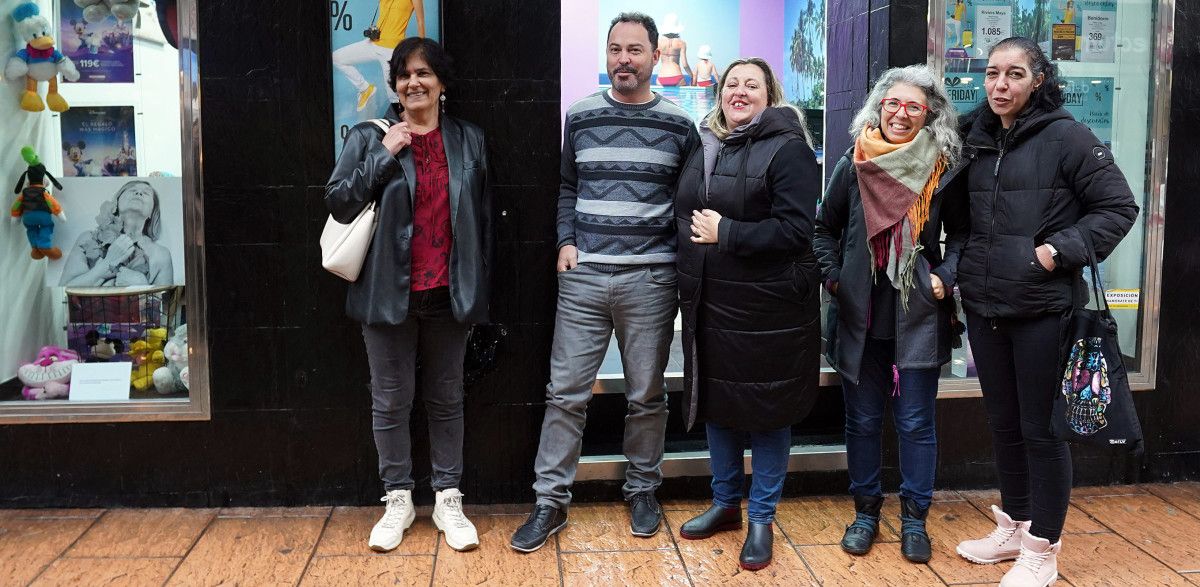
point(913, 414)
point(768, 463)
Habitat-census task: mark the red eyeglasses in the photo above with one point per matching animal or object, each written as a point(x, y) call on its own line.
point(893, 106)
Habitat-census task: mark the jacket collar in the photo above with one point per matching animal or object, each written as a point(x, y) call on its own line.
point(770, 122)
point(985, 126)
point(452, 143)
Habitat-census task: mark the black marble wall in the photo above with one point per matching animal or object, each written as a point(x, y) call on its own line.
point(291, 419)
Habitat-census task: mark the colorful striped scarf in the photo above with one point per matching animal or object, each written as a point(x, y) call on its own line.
point(896, 183)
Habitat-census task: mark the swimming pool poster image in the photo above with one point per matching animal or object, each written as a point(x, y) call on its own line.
point(697, 39)
point(103, 50)
point(363, 35)
point(98, 141)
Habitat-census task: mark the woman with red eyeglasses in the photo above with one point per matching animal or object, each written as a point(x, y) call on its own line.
point(890, 325)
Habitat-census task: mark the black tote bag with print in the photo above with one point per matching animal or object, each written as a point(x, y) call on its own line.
point(1094, 404)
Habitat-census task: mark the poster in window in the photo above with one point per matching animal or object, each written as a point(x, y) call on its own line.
point(364, 34)
point(124, 232)
point(1090, 101)
point(1093, 26)
point(98, 141)
point(973, 27)
point(102, 50)
point(698, 39)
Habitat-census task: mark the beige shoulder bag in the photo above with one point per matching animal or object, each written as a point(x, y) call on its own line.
point(344, 246)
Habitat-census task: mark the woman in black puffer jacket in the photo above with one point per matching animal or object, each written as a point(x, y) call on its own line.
point(747, 289)
point(1041, 186)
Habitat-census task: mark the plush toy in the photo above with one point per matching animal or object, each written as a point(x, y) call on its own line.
point(172, 378)
point(39, 61)
point(49, 375)
point(35, 206)
point(101, 349)
point(98, 10)
point(147, 354)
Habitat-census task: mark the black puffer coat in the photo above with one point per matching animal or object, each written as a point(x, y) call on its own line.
point(923, 333)
point(366, 170)
point(751, 334)
point(1043, 181)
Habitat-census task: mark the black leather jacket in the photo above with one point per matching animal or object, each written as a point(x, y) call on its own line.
point(366, 170)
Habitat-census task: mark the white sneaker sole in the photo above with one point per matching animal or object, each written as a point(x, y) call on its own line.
point(983, 561)
point(385, 547)
point(459, 546)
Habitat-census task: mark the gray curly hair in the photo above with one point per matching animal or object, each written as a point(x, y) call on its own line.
point(942, 120)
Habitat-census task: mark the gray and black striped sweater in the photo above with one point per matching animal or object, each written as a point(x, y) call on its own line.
point(619, 166)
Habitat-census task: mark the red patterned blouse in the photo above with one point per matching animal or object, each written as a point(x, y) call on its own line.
point(432, 235)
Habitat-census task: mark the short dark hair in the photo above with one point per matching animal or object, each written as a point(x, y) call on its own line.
point(638, 18)
point(1049, 95)
point(437, 58)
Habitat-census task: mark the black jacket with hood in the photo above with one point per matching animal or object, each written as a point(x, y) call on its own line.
point(751, 332)
point(1047, 179)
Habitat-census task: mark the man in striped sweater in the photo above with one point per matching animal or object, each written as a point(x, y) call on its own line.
point(622, 152)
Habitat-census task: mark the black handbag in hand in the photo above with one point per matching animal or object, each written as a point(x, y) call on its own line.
point(1094, 404)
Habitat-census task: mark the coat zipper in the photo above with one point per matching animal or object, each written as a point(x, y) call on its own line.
point(987, 272)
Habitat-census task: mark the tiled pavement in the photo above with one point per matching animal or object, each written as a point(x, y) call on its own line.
point(1115, 536)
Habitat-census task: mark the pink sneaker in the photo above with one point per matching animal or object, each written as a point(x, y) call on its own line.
point(1003, 544)
point(1036, 566)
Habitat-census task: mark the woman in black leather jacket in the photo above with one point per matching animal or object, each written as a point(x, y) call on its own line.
point(425, 278)
point(1041, 186)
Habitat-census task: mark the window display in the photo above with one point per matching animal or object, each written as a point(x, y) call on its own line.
point(1115, 83)
point(106, 212)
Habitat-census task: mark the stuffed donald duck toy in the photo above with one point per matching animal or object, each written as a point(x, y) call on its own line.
point(39, 61)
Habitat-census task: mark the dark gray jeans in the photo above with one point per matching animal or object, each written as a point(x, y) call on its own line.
point(431, 333)
point(639, 304)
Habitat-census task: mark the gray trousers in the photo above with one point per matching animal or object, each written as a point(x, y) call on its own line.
point(639, 304)
point(431, 333)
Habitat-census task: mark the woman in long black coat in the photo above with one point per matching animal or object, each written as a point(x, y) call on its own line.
point(747, 288)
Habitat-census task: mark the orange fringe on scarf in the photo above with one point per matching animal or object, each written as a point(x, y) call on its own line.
point(918, 214)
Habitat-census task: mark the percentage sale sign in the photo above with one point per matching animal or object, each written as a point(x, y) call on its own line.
point(342, 20)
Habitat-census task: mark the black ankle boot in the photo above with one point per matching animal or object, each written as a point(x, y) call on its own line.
point(716, 519)
point(861, 534)
point(914, 541)
point(756, 551)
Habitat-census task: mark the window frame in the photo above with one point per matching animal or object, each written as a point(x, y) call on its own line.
point(197, 405)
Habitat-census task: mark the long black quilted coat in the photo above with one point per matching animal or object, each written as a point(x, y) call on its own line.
point(751, 333)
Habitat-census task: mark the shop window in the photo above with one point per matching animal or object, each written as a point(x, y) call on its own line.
point(705, 35)
point(1114, 60)
point(105, 298)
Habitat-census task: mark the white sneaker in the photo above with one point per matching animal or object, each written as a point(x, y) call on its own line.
point(399, 515)
point(1037, 565)
point(449, 518)
point(1004, 542)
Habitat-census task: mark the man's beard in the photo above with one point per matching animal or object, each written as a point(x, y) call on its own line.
point(628, 85)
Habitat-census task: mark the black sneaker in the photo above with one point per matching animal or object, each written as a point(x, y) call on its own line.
point(544, 522)
point(645, 515)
